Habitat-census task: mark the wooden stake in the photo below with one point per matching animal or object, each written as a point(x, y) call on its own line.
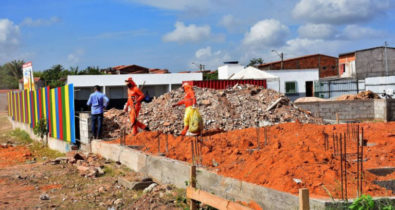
point(167, 144)
point(304, 199)
point(337, 118)
point(265, 130)
point(193, 204)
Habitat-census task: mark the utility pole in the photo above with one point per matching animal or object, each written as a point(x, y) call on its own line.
point(281, 55)
point(386, 57)
point(201, 66)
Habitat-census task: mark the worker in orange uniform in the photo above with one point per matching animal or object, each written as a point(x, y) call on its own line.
point(189, 101)
point(135, 96)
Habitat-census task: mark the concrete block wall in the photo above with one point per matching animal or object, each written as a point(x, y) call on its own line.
point(55, 144)
point(170, 171)
point(85, 125)
point(372, 109)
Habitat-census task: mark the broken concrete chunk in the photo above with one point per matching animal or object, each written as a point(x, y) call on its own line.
point(150, 188)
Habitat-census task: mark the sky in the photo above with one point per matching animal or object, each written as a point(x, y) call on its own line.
point(179, 35)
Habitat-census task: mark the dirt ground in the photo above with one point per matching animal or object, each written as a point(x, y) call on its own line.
point(294, 151)
point(30, 179)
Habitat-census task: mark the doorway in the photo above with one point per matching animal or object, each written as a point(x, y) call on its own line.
point(309, 89)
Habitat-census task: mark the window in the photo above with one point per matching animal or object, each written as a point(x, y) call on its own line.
point(324, 68)
point(333, 67)
point(290, 87)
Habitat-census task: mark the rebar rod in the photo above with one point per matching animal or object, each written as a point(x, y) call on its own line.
point(362, 145)
point(341, 166)
point(345, 166)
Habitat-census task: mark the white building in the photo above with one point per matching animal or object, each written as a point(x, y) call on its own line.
point(295, 83)
point(229, 69)
point(114, 85)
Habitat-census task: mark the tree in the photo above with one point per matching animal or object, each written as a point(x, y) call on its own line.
point(255, 62)
point(10, 74)
point(90, 71)
point(55, 76)
point(210, 75)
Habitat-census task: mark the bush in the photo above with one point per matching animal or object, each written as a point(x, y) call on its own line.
point(41, 129)
point(365, 202)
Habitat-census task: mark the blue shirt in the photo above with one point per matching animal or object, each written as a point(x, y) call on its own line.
point(97, 101)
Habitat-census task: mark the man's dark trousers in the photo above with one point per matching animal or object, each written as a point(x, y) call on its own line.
point(97, 119)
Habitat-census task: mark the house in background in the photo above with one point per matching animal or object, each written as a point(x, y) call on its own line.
point(38, 83)
point(294, 83)
point(326, 65)
point(127, 69)
point(371, 62)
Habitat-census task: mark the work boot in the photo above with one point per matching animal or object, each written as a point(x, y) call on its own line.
point(147, 128)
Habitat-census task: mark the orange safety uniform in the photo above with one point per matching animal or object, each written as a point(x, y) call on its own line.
point(135, 96)
point(189, 100)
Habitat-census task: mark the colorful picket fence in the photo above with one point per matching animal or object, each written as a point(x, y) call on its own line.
point(55, 105)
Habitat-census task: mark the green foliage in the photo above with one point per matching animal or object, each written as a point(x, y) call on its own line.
point(21, 136)
point(91, 71)
point(57, 75)
point(10, 73)
point(388, 207)
point(365, 202)
point(255, 62)
point(41, 128)
point(210, 76)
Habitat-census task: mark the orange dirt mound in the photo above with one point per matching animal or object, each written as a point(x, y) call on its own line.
point(12, 155)
point(294, 150)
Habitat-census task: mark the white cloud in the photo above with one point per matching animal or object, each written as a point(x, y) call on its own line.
point(75, 57)
point(300, 47)
point(269, 32)
point(353, 32)
point(40, 22)
point(190, 33)
point(317, 31)
point(203, 52)
point(9, 40)
point(339, 11)
point(229, 22)
point(211, 60)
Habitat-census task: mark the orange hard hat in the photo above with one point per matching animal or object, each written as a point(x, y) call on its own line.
point(185, 84)
point(130, 81)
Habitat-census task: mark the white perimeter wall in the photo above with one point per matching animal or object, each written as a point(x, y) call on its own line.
point(291, 75)
point(379, 84)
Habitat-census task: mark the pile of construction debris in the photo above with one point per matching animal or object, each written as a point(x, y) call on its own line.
point(114, 121)
point(88, 166)
point(238, 107)
point(360, 96)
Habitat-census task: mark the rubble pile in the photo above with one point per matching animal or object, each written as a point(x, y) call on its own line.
point(114, 121)
point(87, 166)
point(360, 96)
point(238, 107)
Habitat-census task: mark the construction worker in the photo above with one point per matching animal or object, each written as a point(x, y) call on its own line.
point(189, 101)
point(135, 96)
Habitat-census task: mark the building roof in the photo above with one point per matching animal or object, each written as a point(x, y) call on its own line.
point(296, 58)
point(159, 71)
point(372, 48)
point(7, 90)
point(253, 73)
point(36, 79)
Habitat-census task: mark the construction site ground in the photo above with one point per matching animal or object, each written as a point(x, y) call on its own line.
point(31, 179)
point(294, 156)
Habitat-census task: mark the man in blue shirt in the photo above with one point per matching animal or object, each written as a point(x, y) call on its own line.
point(97, 101)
